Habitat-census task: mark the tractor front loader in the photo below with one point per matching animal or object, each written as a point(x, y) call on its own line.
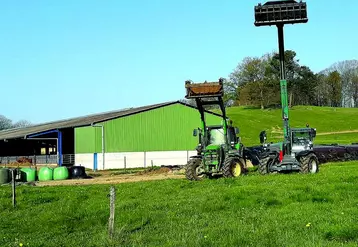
point(219, 151)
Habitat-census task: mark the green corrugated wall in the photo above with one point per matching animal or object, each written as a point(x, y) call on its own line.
point(167, 128)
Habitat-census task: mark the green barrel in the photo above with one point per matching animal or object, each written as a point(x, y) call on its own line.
point(46, 174)
point(4, 176)
point(28, 174)
point(60, 173)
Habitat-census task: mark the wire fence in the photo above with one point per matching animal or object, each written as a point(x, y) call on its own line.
point(67, 159)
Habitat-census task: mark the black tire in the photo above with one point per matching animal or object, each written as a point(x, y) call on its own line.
point(230, 165)
point(191, 170)
point(309, 164)
point(263, 166)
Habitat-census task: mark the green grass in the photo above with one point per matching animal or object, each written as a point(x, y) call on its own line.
point(249, 211)
point(325, 119)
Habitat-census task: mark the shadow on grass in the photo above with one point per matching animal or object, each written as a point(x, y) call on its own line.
point(343, 235)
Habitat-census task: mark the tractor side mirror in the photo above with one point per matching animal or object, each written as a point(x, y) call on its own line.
point(195, 132)
point(263, 137)
point(237, 131)
point(314, 132)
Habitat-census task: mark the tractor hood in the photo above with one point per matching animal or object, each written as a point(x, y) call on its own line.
point(212, 147)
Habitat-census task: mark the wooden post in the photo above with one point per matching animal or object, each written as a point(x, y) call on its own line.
point(13, 188)
point(112, 199)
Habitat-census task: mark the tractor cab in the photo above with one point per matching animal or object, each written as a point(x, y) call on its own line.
point(302, 139)
point(214, 137)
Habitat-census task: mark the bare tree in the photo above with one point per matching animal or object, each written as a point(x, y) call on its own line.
point(21, 124)
point(354, 88)
point(5, 123)
point(346, 69)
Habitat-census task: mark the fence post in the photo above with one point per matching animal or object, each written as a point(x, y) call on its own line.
point(187, 155)
point(13, 188)
point(151, 163)
point(145, 159)
point(125, 163)
point(112, 200)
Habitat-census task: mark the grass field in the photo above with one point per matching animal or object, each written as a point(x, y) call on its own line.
point(275, 210)
point(331, 123)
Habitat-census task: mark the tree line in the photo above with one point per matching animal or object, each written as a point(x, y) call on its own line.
point(255, 82)
point(6, 123)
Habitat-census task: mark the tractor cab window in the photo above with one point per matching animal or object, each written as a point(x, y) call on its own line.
point(301, 137)
point(217, 137)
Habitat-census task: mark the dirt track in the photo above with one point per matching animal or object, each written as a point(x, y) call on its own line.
point(107, 179)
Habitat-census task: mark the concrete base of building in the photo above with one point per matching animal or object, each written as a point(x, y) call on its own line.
point(133, 159)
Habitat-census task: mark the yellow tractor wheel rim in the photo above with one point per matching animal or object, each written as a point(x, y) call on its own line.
point(237, 170)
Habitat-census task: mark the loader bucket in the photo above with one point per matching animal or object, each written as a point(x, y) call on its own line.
point(280, 12)
point(204, 90)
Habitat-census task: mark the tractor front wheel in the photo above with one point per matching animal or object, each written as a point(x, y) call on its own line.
point(309, 164)
point(233, 167)
point(194, 171)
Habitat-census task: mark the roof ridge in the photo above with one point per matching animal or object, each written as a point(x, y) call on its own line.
point(86, 119)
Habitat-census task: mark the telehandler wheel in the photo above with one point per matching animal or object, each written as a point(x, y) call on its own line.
point(233, 167)
point(263, 166)
point(309, 163)
point(194, 171)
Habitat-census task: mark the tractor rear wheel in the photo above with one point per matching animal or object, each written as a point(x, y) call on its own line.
point(233, 167)
point(309, 163)
point(194, 171)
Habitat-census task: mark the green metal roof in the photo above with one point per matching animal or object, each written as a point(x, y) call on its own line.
point(82, 121)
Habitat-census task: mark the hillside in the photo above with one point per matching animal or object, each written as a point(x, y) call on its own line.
point(334, 125)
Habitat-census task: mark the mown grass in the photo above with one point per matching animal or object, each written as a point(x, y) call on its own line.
point(275, 210)
point(325, 119)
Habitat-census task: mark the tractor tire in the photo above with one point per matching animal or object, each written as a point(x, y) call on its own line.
point(233, 167)
point(263, 166)
point(309, 164)
point(191, 171)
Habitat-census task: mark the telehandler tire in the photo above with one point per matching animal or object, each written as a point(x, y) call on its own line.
point(263, 166)
point(309, 164)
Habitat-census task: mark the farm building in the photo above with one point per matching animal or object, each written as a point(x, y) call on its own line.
point(158, 134)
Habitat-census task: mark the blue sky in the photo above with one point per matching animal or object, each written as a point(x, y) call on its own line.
point(68, 58)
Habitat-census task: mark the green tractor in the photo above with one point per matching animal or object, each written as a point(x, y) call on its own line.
point(296, 152)
point(219, 151)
